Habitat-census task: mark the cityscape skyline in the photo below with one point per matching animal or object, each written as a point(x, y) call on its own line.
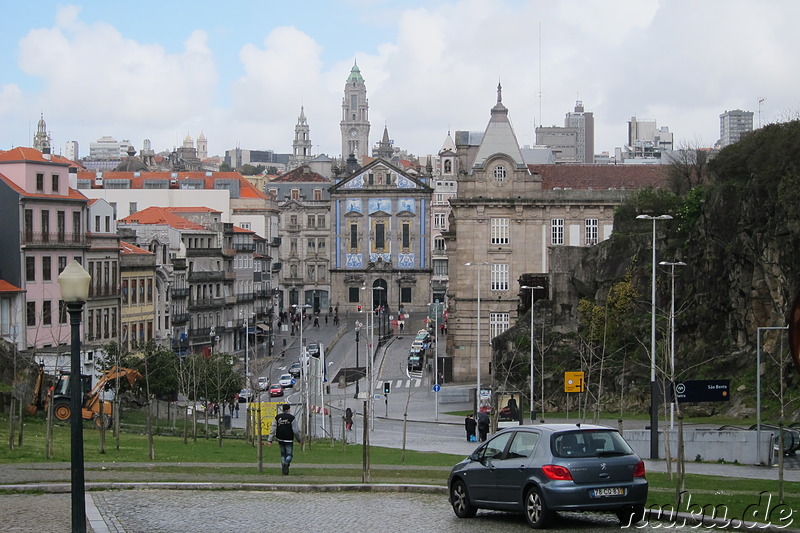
point(162, 71)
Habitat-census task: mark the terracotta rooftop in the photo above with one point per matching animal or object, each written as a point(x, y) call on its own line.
point(23, 153)
point(600, 177)
point(160, 215)
point(73, 194)
point(7, 287)
point(128, 248)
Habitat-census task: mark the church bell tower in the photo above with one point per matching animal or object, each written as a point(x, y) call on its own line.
point(355, 116)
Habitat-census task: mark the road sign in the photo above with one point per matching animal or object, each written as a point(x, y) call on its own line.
point(437, 388)
point(573, 381)
point(703, 390)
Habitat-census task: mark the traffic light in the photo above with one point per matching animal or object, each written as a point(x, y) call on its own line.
point(386, 387)
point(359, 308)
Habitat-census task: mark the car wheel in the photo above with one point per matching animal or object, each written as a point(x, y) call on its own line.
point(460, 501)
point(630, 515)
point(536, 512)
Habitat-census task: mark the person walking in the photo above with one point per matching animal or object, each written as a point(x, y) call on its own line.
point(285, 430)
point(470, 425)
point(483, 426)
point(236, 408)
point(348, 419)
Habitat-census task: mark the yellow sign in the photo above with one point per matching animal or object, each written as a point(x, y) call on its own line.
point(573, 381)
point(266, 411)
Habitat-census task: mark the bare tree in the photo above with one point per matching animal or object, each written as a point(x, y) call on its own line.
point(688, 169)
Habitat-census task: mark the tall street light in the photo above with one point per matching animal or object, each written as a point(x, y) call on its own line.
point(533, 402)
point(371, 359)
point(436, 354)
point(478, 392)
point(672, 338)
point(359, 325)
point(653, 386)
point(303, 370)
point(74, 282)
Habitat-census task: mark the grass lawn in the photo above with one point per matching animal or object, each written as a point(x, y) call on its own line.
point(323, 463)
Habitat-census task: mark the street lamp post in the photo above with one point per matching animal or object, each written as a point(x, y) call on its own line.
point(358, 378)
point(672, 337)
point(303, 371)
point(371, 359)
point(478, 355)
point(436, 356)
point(653, 385)
point(74, 282)
point(533, 402)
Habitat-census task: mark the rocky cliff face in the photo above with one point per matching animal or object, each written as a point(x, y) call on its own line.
point(739, 235)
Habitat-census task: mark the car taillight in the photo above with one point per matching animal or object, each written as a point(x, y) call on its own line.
point(638, 470)
point(557, 472)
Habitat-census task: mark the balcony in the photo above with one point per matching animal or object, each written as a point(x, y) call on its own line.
point(202, 334)
point(103, 290)
point(35, 238)
point(293, 227)
point(244, 246)
point(203, 252)
point(439, 253)
point(180, 318)
point(245, 297)
point(179, 292)
point(275, 242)
point(206, 303)
point(199, 277)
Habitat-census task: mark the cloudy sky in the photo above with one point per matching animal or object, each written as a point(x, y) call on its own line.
point(239, 71)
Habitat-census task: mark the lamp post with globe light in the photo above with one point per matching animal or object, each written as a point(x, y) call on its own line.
point(74, 283)
point(478, 355)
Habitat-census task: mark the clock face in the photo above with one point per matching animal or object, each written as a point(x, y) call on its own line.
point(353, 132)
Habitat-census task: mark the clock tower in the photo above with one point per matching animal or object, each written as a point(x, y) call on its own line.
point(355, 116)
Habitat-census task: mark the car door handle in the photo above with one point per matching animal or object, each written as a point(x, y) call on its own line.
point(604, 475)
point(521, 468)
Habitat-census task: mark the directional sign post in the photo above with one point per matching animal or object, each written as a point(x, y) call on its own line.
point(703, 390)
point(573, 381)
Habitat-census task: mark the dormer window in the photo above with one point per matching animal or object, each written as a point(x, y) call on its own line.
point(499, 173)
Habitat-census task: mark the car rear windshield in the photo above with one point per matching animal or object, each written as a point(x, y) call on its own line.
point(589, 443)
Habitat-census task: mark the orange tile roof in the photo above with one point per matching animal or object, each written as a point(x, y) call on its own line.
point(7, 287)
point(246, 189)
point(128, 248)
point(160, 215)
point(237, 229)
point(23, 153)
point(600, 176)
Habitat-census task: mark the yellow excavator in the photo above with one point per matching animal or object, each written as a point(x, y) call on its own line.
point(90, 406)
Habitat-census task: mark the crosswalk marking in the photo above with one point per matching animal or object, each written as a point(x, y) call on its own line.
point(401, 384)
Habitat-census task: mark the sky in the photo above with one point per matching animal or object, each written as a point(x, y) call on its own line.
point(239, 71)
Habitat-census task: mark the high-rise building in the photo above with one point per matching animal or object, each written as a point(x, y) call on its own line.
point(355, 116)
point(574, 143)
point(733, 125)
point(583, 122)
point(72, 151)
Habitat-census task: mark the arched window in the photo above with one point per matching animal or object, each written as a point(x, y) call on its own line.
point(499, 173)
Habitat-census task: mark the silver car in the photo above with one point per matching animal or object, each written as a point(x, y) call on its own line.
point(537, 470)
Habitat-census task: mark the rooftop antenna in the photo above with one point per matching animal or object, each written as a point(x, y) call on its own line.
point(760, 101)
point(541, 120)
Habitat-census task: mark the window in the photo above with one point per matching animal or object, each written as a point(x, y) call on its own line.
point(47, 312)
point(295, 194)
point(499, 173)
point(47, 268)
point(30, 269)
point(557, 231)
point(125, 292)
point(76, 226)
point(108, 224)
point(448, 166)
point(62, 312)
point(30, 318)
point(590, 225)
point(405, 295)
point(320, 221)
point(133, 207)
point(28, 222)
point(134, 283)
point(321, 245)
point(45, 225)
point(312, 272)
point(150, 290)
point(90, 324)
point(317, 194)
point(500, 231)
point(97, 223)
point(439, 267)
point(62, 263)
point(40, 182)
point(352, 294)
point(438, 244)
point(523, 444)
point(312, 221)
point(61, 225)
point(498, 323)
point(312, 245)
point(293, 246)
point(54, 182)
point(439, 220)
point(353, 236)
point(293, 220)
point(499, 277)
point(406, 237)
point(353, 101)
point(380, 236)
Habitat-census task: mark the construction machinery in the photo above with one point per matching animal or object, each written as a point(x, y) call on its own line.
point(91, 404)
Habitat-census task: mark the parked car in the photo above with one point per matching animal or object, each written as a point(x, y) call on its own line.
point(263, 383)
point(286, 381)
point(536, 470)
point(244, 395)
point(276, 390)
point(313, 349)
point(294, 370)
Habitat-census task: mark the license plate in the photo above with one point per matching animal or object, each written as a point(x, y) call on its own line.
point(607, 491)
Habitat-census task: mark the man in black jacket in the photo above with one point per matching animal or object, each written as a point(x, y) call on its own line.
point(284, 428)
point(470, 425)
